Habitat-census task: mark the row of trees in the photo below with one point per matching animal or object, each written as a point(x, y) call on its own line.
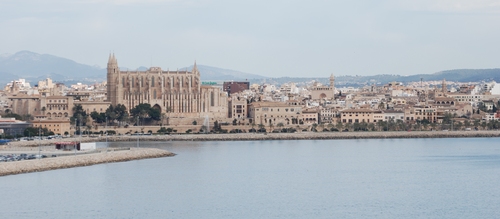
point(118, 115)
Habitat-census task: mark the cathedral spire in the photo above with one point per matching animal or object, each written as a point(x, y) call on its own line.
point(195, 68)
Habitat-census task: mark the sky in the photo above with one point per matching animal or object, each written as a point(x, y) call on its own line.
point(277, 38)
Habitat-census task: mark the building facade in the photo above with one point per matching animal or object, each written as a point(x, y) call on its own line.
point(232, 87)
point(178, 94)
point(324, 92)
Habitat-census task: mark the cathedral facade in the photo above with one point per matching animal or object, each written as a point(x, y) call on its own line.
point(320, 92)
point(178, 94)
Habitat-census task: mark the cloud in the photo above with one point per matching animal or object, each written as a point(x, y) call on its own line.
point(127, 2)
point(455, 6)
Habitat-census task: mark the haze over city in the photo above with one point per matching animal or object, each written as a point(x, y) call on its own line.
point(277, 38)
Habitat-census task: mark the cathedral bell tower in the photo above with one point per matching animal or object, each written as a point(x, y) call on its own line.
point(112, 79)
point(332, 85)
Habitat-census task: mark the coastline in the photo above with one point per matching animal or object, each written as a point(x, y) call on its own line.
point(63, 162)
point(266, 136)
point(126, 154)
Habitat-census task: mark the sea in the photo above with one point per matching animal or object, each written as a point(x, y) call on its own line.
point(369, 178)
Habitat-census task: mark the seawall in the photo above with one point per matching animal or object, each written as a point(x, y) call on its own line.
point(37, 165)
point(269, 136)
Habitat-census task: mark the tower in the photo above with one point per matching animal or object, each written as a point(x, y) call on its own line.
point(332, 85)
point(444, 88)
point(112, 79)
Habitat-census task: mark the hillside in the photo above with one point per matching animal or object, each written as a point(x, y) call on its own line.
point(34, 67)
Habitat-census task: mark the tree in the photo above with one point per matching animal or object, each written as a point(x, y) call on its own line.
point(216, 127)
point(458, 125)
point(371, 127)
point(194, 122)
point(314, 125)
point(280, 125)
point(339, 125)
point(79, 117)
point(321, 126)
point(13, 115)
point(433, 126)
point(467, 123)
point(381, 125)
point(31, 131)
point(98, 117)
point(146, 112)
point(477, 122)
point(447, 118)
point(262, 128)
point(483, 125)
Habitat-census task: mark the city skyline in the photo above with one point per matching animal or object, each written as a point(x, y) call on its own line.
point(267, 38)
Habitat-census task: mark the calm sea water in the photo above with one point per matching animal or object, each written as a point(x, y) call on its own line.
point(389, 178)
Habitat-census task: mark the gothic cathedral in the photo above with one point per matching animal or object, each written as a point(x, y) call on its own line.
point(178, 94)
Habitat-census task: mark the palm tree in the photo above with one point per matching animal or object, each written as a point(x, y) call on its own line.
point(314, 125)
point(380, 124)
point(467, 124)
point(321, 126)
point(476, 122)
point(339, 126)
point(483, 125)
point(43, 111)
point(330, 126)
point(433, 126)
point(280, 125)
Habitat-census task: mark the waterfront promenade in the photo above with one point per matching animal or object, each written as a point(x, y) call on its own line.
point(266, 136)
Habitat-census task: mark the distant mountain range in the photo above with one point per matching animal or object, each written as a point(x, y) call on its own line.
point(34, 67)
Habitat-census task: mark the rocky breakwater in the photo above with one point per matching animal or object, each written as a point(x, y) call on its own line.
point(118, 155)
point(308, 136)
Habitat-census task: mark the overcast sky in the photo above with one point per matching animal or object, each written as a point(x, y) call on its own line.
point(272, 38)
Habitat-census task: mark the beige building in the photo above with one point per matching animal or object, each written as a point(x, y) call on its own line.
point(91, 106)
point(178, 94)
point(50, 107)
point(357, 116)
point(58, 126)
point(309, 116)
point(274, 112)
point(323, 92)
point(238, 108)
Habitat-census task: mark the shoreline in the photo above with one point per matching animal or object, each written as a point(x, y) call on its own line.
point(80, 160)
point(265, 136)
point(127, 154)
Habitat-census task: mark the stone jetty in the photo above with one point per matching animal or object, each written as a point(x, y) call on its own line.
point(120, 155)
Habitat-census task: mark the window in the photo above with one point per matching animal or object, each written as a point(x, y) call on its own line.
point(212, 99)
